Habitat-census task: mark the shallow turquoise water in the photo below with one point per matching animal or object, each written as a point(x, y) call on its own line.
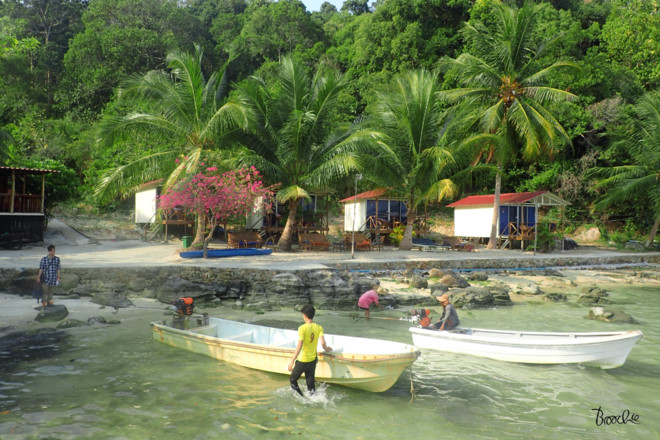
point(116, 383)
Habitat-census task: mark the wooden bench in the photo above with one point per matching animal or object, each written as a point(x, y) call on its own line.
point(313, 241)
point(456, 244)
point(247, 239)
point(362, 242)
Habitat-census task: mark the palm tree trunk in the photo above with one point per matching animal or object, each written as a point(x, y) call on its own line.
point(287, 235)
point(654, 230)
point(492, 242)
point(406, 240)
point(201, 227)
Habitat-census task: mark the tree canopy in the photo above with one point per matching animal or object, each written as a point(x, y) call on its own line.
point(65, 66)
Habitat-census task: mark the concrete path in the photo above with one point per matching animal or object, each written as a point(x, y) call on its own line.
point(135, 253)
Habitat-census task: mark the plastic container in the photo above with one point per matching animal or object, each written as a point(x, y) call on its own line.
point(187, 241)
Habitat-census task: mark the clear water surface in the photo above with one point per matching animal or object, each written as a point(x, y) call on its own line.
point(116, 383)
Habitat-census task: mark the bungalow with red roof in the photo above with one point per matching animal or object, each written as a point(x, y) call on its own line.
point(518, 214)
point(374, 211)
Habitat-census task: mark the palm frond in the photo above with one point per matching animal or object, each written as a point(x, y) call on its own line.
point(126, 179)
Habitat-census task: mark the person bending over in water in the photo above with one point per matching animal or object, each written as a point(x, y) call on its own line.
point(369, 297)
point(309, 335)
point(449, 318)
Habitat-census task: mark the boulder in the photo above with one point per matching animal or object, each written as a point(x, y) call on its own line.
point(438, 289)
point(472, 298)
point(500, 295)
point(610, 315)
point(453, 279)
point(112, 299)
point(555, 297)
point(176, 287)
point(70, 323)
point(436, 273)
point(569, 244)
point(96, 320)
point(419, 282)
point(53, 313)
point(477, 276)
point(593, 295)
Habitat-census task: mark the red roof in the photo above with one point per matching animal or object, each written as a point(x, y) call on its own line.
point(373, 194)
point(489, 199)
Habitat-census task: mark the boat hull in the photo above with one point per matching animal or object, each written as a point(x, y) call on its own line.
point(374, 370)
point(223, 253)
point(603, 349)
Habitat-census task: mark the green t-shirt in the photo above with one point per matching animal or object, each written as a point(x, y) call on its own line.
point(310, 335)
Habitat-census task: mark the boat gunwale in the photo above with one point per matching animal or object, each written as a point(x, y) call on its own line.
point(571, 338)
point(251, 346)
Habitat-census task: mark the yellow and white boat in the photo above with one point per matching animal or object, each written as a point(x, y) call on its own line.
point(366, 364)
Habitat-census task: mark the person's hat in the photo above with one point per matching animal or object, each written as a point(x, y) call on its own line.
point(443, 297)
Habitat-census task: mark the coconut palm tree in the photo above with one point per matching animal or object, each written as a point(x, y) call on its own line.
point(502, 82)
point(419, 161)
point(641, 179)
point(295, 140)
point(193, 113)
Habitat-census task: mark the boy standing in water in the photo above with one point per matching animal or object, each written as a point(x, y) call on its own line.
point(309, 335)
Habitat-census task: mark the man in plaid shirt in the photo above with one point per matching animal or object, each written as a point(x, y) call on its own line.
point(50, 269)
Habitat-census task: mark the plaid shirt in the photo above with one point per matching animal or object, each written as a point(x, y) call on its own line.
point(49, 267)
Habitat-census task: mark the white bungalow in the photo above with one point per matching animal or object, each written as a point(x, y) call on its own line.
point(146, 199)
point(473, 215)
point(373, 211)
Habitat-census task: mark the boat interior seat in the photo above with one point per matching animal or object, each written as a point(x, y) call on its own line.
point(285, 344)
point(243, 337)
point(206, 330)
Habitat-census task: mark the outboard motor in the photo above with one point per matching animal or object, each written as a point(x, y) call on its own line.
point(184, 306)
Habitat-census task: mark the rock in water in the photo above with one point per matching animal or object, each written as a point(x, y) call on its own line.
point(53, 313)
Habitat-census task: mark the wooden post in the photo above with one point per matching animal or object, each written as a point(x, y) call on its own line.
point(13, 190)
point(43, 191)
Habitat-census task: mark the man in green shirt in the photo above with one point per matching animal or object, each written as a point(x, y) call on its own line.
point(304, 357)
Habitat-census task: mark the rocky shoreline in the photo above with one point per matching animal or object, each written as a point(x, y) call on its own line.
point(261, 291)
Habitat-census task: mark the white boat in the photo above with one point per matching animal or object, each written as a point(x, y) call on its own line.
point(366, 364)
point(601, 349)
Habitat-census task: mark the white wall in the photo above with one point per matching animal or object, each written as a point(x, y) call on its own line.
point(473, 222)
point(145, 206)
point(355, 211)
point(255, 216)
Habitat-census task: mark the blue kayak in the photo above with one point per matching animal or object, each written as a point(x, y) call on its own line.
point(222, 253)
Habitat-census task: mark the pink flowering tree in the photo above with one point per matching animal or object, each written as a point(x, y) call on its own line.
point(216, 199)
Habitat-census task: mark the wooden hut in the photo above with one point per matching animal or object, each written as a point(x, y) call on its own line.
point(517, 219)
point(374, 211)
point(22, 197)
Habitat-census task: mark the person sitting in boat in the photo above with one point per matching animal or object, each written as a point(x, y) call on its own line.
point(369, 297)
point(449, 318)
point(309, 336)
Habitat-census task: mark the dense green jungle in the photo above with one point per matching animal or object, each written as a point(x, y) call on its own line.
point(435, 99)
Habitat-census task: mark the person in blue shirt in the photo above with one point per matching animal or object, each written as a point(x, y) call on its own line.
point(49, 275)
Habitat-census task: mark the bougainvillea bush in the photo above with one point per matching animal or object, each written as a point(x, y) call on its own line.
point(217, 198)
